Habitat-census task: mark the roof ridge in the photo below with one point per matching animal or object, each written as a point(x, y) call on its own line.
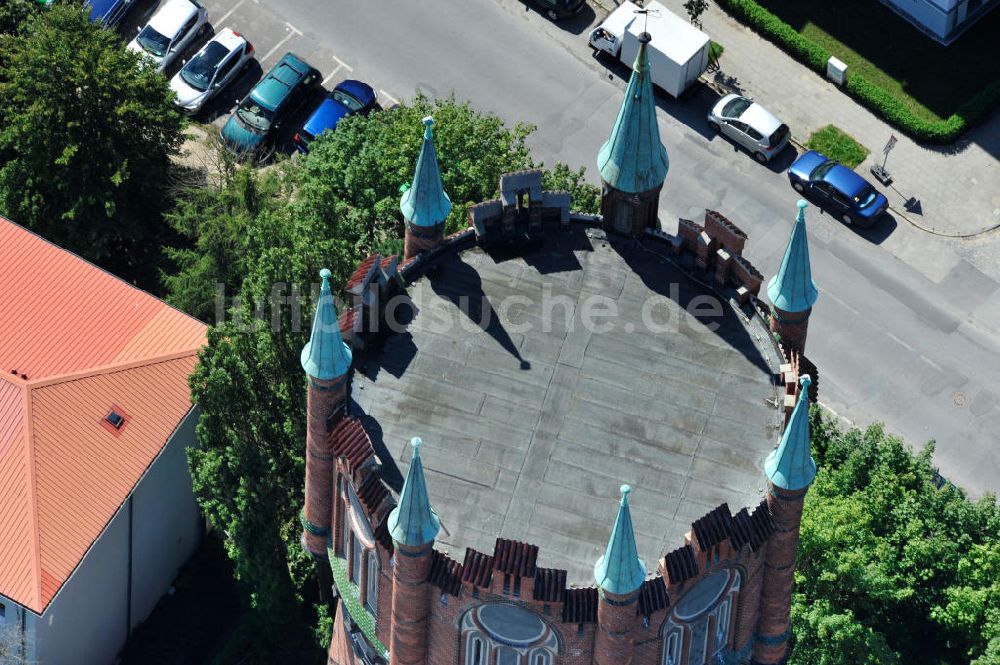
point(29, 452)
point(112, 368)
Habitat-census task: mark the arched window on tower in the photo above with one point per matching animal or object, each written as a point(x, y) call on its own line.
point(724, 616)
point(475, 650)
point(673, 638)
point(371, 594)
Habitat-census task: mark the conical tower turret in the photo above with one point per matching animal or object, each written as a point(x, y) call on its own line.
point(425, 205)
point(633, 163)
point(792, 291)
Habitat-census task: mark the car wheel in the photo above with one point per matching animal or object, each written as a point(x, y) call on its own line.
point(203, 29)
point(760, 157)
point(798, 186)
point(551, 13)
point(847, 219)
point(714, 126)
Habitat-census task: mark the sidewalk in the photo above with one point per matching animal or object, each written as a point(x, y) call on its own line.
point(958, 186)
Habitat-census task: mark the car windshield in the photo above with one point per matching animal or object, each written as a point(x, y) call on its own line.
point(866, 196)
point(735, 108)
point(153, 42)
point(820, 171)
point(199, 72)
point(350, 102)
point(254, 115)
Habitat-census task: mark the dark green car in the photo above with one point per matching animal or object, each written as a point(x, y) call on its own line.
point(251, 129)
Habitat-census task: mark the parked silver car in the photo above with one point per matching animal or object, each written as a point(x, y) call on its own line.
point(216, 65)
point(170, 31)
point(750, 125)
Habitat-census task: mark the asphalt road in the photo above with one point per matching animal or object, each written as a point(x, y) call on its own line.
point(905, 329)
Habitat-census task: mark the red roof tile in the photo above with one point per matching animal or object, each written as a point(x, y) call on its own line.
point(86, 341)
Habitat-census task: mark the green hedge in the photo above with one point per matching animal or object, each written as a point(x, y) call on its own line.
point(873, 96)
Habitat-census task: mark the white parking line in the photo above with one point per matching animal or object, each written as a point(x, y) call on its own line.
point(931, 363)
point(899, 341)
point(343, 64)
point(276, 47)
point(222, 20)
point(293, 29)
point(327, 79)
point(387, 95)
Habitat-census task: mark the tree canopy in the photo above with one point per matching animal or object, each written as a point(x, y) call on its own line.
point(86, 133)
point(249, 232)
point(895, 565)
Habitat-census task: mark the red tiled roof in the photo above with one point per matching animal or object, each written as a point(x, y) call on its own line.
point(477, 568)
point(350, 441)
point(87, 342)
point(514, 557)
point(580, 605)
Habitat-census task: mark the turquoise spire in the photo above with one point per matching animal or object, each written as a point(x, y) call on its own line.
point(413, 522)
point(620, 571)
point(792, 289)
point(633, 160)
point(425, 203)
point(790, 466)
point(325, 356)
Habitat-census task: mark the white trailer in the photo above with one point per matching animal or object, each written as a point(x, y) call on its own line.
point(678, 51)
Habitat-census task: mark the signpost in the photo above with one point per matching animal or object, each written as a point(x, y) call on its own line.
point(879, 171)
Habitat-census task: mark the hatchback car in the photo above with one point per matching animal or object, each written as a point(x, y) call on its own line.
point(251, 128)
point(750, 125)
point(347, 98)
point(837, 188)
point(170, 31)
point(109, 13)
point(210, 70)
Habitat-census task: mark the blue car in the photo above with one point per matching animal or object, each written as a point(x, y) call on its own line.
point(347, 98)
point(837, 188)
point(108, 13)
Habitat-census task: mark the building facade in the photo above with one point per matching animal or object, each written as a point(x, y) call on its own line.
point(97, 511)
point(720, 595)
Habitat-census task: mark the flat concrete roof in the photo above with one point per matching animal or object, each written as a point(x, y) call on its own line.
point(531, 423)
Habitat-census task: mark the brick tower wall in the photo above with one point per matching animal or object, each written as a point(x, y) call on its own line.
point(410, 604)
point(419, 239)
point(773, 626)
point(645, 206)
point(323, 399)
point(792, 327)
point(616, 618)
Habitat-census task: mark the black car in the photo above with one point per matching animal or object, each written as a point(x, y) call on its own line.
point(557, 9)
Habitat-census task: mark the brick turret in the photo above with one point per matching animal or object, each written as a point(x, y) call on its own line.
point(792, 291)
point(619, 575)
point(790, 470)
point(413, 525)
point(633, 163)
point(425, 206)
point(327, 362)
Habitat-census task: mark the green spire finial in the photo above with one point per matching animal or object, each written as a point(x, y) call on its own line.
point(425, 203)
point(619, 570)
point(790, 466)
point(792, 289)
point(325, 356)
point(633, 160)
point(413, 522)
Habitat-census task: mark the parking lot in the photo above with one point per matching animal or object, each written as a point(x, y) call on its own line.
point(271, 37)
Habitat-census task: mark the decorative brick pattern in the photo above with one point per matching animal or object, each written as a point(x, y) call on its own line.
point(324, 399)
point(652, 597)
point(419, 239)
point(680, 565)
point(791, 327)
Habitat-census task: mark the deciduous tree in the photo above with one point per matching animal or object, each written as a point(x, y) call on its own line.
point(86, 138)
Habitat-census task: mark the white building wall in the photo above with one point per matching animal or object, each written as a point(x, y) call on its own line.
point(88, 621)
point(85, 624)
point(166, 523)
point(935, 15)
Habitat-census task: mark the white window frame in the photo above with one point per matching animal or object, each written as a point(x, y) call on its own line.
point(357, 554)
point(723, 615)
point(540, 657)
point(471, 658)
point(371, 583)
point(673, 640)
